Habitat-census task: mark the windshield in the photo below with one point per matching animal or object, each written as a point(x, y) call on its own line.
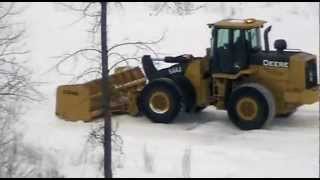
point(253, 38)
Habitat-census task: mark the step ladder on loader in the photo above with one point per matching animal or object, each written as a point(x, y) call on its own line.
point(84, 101)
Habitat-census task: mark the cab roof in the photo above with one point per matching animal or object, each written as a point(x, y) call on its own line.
point(238, 23)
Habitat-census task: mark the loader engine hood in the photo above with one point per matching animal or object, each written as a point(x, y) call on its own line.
point(301, 65)
point(273, 58)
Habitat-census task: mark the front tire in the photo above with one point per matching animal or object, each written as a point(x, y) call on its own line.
point(160, 102)
point(251, 106)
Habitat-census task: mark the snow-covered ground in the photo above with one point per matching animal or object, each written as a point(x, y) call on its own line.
point(202, 145)
point(287, 148)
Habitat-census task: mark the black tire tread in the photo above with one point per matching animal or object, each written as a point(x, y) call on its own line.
point(174, 97)
point(264, 99)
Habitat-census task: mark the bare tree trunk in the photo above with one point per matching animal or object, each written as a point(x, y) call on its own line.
point(106, 93)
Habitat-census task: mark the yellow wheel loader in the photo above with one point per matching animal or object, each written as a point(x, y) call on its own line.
point(252, 84)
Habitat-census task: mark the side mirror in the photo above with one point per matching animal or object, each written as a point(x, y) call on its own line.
point(280, 44)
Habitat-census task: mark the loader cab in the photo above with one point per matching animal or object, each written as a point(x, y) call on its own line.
point(231, 44)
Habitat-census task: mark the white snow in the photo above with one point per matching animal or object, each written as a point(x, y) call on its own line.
point(207, 143)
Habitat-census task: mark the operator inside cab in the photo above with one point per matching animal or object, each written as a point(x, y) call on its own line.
point(232, 42)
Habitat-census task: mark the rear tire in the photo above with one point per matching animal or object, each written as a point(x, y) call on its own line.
point(251, 106)
point(160, 102)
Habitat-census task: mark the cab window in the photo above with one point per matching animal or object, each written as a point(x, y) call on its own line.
point(252, 37)
point(223, 38)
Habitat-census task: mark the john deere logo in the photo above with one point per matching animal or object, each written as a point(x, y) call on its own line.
point(275, 64)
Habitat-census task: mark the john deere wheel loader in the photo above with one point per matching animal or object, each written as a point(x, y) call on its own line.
point(252, 84)
point(236, 75)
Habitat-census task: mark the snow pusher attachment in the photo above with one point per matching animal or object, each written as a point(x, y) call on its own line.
point(84, 101)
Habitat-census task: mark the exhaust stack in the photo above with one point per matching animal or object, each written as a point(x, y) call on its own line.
point(266, 39)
